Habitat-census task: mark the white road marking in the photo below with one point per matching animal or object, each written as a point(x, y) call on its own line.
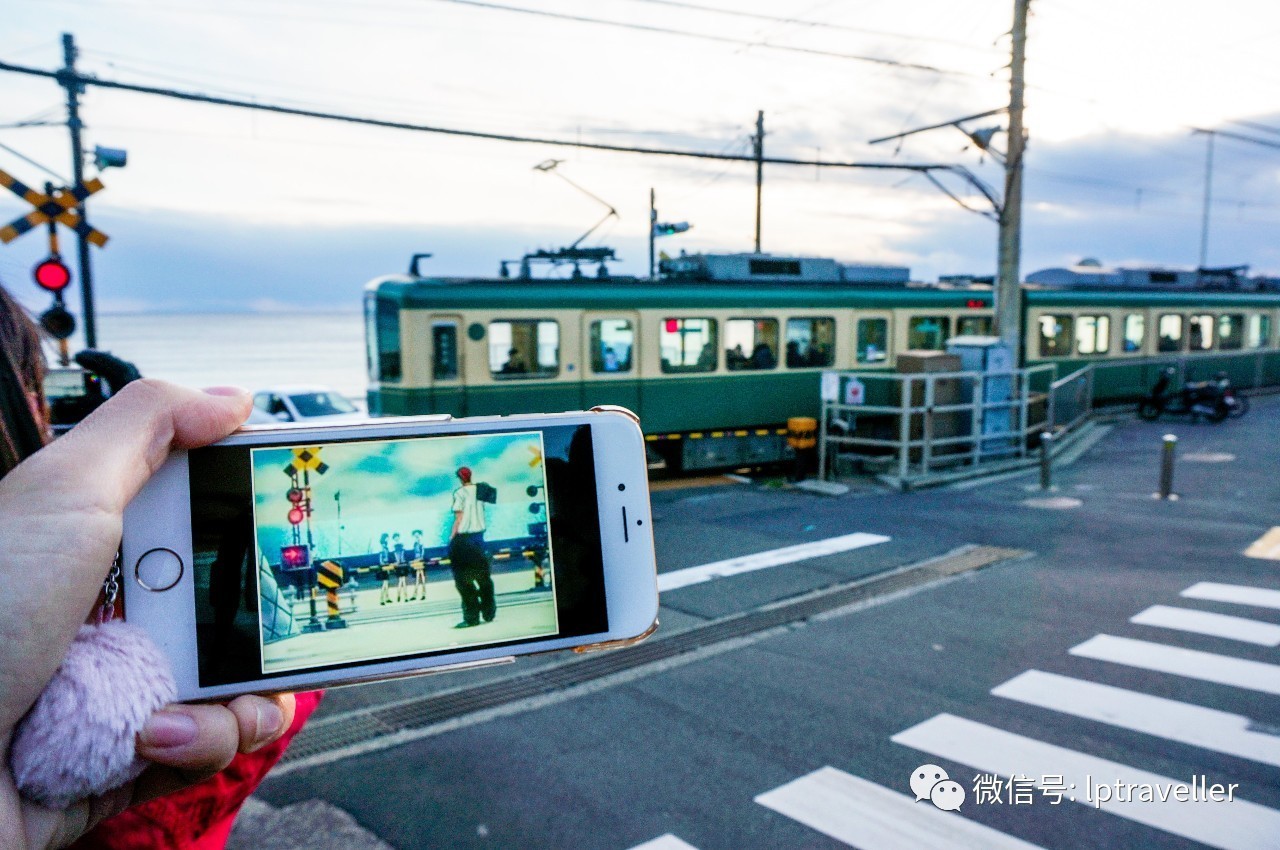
point(865, 815)
point(1236, 593)
point(1237, 825)
point(1191, 663)
point(1165, 718)
point(665, 842)
point(764, 560)
point(1208, 623)
point(1267, 546)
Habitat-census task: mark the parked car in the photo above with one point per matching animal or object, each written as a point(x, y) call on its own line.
point(300, 403)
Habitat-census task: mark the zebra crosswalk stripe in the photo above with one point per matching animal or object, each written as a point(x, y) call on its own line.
point(1182, 722)
point(868, 816)
point(1238, 594)
point(1191, 663)
point(1208, 623)
point(1235, 825)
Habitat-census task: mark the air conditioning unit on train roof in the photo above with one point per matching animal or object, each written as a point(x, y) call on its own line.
point(774, 269)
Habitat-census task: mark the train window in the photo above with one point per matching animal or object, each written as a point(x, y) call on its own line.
point(1093, 334)
point(1055, 336)
point(688, 345)
point(382, 338)
point(611, 344)
point(1259, 331)
point(1135, 332)
point(527, 348)
point(810, 342)
point(1170, 333)
point(444, 351)
point(750, 344)
point(1231, 332)
point(928, 332)
point(974, 325)
point(873, 340)
point(1200, 332)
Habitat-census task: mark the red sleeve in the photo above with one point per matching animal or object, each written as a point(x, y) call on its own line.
point(199, 817)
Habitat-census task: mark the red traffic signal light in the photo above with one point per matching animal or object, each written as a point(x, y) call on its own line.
point(295, 557)
point(52, 274)
point(295, 516)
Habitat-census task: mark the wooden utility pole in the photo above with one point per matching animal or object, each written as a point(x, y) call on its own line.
point(69, 82)
point(653, 225)
point(1208, 198)
point(757, 142)
point(1008, 256)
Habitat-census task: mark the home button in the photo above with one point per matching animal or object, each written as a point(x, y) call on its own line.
point(158, 569)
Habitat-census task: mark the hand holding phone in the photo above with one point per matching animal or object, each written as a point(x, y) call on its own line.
point(285, 558)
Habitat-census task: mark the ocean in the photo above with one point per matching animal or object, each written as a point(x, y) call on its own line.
point(251, 350)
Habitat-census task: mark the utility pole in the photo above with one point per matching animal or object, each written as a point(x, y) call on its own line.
point(67, 79)
point(1008, 254)
point(1208, 195)
point(757, 142)
point(653, 224)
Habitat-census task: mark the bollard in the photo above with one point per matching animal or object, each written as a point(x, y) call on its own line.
point(1046, 461)
point(1168, 449)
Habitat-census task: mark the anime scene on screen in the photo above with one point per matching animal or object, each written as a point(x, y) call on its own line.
point(379, 549)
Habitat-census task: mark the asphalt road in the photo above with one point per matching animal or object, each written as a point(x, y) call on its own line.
point(806, 716)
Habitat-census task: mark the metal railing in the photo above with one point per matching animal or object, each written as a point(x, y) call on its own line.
point(916, 425)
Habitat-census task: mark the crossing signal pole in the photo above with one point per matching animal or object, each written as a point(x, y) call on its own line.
point(757, 142)
point(1009, 251)
point(67, 79)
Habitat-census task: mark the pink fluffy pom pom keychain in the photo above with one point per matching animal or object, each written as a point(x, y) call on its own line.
point(80, 738)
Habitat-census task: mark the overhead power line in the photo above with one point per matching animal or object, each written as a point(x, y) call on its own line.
point(806, 22)
point(703, 36)
point(1262, 128)
point(86, 80)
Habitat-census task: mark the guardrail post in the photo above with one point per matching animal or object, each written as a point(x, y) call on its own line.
point(926, 429)
point(904, 430)
point(1046, 461)
point(978, 392)
point(1167, 452)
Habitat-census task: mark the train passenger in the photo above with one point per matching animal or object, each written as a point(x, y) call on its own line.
point(514, 365)
point(762, 357)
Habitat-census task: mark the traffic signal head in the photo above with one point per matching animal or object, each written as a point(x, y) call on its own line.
point(57, 322)
point(670, 228)
point(296, 516)
point(295, 557)
point(52, 274)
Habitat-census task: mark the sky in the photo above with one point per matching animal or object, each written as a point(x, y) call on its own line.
point(224, 209)
point(398, 486)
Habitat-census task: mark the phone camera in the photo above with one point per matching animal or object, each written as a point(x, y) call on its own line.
point(622, 486)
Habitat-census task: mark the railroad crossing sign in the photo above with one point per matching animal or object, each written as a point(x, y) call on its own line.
point(58, 206)
point(306, 460)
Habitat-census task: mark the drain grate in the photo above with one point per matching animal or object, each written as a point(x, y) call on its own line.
point(361, 726)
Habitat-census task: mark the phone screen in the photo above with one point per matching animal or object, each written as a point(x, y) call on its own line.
point(319, 557)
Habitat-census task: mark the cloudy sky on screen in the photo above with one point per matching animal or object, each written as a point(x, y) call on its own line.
point(222, 208)
point(397, 486)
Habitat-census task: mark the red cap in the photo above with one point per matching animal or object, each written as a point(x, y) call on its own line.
point(464, 472)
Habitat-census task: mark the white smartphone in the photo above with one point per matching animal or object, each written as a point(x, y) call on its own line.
point(292, 557)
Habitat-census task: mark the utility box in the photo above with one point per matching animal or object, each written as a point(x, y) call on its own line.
point(946, 392)
point(989, 355)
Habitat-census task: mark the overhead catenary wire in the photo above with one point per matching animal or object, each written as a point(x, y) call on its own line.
point(807, 22)
point(704, 36)
point(86, 80)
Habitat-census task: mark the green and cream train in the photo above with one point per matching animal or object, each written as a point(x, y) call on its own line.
point(715, 367)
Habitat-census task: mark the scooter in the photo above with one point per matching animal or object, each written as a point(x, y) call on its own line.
point(1237, 404)
point(1196, 399)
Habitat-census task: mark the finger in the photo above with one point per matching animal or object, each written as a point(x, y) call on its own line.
point(128, 438)
point(198, 740)
point(262, 720)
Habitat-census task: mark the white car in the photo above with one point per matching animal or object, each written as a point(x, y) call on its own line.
point(303, 402)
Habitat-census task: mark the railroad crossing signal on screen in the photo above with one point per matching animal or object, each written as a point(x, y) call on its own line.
point(57, 206)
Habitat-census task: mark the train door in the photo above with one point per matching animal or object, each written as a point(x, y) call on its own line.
point(610, 358)
point(448, 392)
